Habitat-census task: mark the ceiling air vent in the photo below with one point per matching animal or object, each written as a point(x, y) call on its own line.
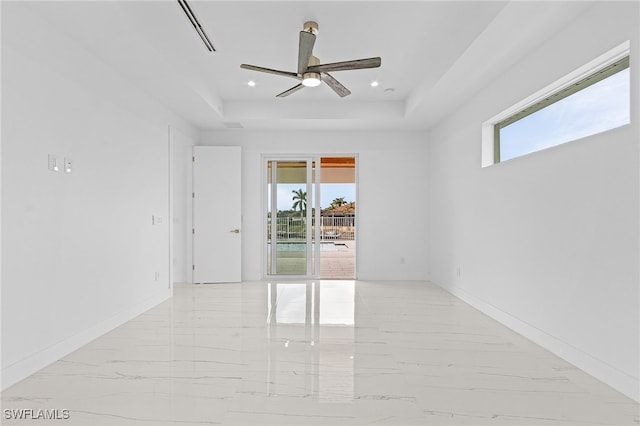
point(196, 25)
point(233, 125)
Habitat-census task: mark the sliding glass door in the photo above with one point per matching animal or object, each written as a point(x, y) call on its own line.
point(310, 216)
point(290, 217)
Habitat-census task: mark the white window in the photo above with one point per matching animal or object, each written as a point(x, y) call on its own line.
point(585, 103)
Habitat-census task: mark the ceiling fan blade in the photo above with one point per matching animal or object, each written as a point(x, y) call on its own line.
point(307, 40)
point(347, 65)
point(335, 85)
point(270, 71)
point(290, 91)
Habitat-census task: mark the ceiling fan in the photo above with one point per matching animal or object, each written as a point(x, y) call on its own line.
point(310, 71)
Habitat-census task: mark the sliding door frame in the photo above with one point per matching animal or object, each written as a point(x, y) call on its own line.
point(313, 193)
point(314, 157)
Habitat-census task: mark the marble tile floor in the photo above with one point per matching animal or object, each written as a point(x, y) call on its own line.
point(315, 353)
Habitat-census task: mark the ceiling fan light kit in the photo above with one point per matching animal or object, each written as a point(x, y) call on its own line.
point(311, 72)
point(311, 79)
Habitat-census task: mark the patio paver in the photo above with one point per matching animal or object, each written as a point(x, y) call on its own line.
point(339, 263)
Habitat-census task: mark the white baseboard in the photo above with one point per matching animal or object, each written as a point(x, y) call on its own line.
point(620, 381)
point(22, 369)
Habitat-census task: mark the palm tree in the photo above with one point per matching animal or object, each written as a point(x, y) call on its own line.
point(300, 201)
point(337, 202)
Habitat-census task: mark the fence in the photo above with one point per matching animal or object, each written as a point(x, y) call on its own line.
point(331, 228)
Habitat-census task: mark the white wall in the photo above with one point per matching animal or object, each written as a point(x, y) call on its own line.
point(80, 254)
point(392, 202)
point(547, 243)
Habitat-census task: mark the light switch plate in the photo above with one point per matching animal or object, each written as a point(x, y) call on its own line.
point(53, 163)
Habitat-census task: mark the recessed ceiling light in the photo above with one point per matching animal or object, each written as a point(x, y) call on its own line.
point(374, 83)
point(251, 83)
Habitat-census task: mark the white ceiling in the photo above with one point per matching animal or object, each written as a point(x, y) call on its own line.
point(435, 54)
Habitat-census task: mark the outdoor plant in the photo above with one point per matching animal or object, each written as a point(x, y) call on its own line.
point(300, 201)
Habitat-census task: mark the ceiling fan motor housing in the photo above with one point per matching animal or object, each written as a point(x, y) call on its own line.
point(312, 79)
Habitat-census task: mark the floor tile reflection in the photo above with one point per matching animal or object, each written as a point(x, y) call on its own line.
point(316, 352)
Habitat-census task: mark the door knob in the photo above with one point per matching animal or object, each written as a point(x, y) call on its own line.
point(235, 231)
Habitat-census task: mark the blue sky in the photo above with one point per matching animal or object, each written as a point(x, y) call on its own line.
point(600, 107)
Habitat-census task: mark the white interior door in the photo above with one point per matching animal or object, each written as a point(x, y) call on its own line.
point(217, 215)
